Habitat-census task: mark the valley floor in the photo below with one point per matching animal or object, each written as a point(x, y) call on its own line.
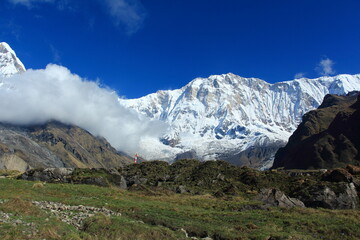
point(31, 210)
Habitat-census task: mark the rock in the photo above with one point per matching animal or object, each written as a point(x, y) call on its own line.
point(357, 184)
point(336, 196)
point(98, 181)
point(137, 179)
point(338, 175)
point(276, 198)
point(220, 177)
point(47, 174)
point(219, 194)
point(354, 170)
point(61, 172)
point(38, 185)
point(122, 183)
point(230, 190)
point(181, 189)
point(113, 171)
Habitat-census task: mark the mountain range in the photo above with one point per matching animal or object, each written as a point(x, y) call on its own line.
point(241, 120)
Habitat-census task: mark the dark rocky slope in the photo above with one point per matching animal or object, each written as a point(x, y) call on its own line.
point(328, 137)
point(55, 145)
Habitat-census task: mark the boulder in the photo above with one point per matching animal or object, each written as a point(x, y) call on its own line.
point(338, 175)
point(181, 189)
point(336, 196)
point(98, 181)
point(354, 170)
point(136, 179)
point(122, 184)
point(276, 198)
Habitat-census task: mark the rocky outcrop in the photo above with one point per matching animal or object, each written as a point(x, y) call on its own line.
point(353, 169)
point(100, 177)
point(276, 198)
point(337, 196)
point(48, 175)
point(55, 145)
point(338, 175)
point(327, 137)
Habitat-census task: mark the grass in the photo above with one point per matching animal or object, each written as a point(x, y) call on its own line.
point(147, 216)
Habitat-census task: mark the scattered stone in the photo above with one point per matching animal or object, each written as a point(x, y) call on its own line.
point(74, 215)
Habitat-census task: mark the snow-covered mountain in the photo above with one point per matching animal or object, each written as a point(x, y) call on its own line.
point(242, 120)
point(9, 63)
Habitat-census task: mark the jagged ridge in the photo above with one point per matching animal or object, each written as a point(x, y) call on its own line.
point(224, 115)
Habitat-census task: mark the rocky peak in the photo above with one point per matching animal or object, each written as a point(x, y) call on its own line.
point(9, 63)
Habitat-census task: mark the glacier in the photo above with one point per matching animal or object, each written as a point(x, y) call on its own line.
point(241, 120)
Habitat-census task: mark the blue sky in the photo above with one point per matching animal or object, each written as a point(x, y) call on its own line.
point(140, 46)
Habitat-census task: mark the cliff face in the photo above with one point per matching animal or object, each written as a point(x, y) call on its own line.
point(327, 137)
point(55, 145)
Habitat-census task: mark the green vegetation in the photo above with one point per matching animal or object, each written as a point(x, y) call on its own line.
point(164, 215)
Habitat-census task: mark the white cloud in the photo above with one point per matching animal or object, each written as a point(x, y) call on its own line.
point(54, 93)
point(128, 13)
point(29, 3)
point(325, 67)
point(299, 75)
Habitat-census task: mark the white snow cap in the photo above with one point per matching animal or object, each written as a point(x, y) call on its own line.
point(10, 64)
point(223, 115)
